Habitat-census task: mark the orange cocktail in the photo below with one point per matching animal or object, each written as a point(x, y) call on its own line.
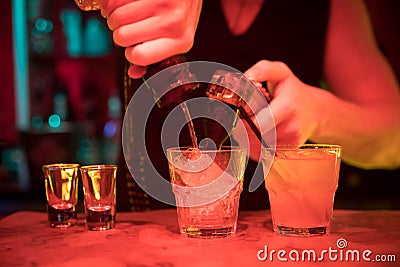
point(301, 184)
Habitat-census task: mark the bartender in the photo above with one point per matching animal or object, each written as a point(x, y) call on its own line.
point(328, 79)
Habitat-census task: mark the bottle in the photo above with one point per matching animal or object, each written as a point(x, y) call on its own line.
point(176, 93)
point(219, 124)
point(242, 95)
point(174, 83)
point(170, 84)
point(88, 5)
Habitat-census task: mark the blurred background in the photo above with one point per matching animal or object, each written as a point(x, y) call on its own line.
point(59, 95)
point(60, 82)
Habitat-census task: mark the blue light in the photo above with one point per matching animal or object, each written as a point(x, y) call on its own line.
point(44, 25)
point(72, 23)
point(37, 122)
point(21, 65)
point(54, 121)
point(39, 46)
point(114, 107)
point(96, 39)
point(61, 105)
point(110, 129)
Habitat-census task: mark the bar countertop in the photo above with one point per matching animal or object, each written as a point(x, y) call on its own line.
point(357, 238)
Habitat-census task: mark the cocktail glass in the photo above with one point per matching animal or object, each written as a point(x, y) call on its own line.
point(301, 185)
point(207, 186)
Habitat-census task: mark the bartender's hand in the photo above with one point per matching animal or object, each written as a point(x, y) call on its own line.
point(292, 107)
point(151, 30)
point(360, 111)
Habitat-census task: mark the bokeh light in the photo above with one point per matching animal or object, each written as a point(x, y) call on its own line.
point(54, 121)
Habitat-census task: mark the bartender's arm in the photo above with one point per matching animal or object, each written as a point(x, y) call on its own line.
point(361, 110)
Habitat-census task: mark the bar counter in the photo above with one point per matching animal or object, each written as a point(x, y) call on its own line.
point(357, 238)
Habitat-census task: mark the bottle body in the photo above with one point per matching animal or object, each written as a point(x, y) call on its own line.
point(88, 5)
point(171, 80)
point(241, 94)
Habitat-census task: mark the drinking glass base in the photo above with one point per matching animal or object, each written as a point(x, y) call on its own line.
point(99, 220)
point(61, 218)
point(62, 224)
point(292, 231)
point(208, 232)
point(99, 226)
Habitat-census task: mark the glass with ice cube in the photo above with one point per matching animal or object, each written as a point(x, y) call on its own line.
point(207, 186)
point(301, 184)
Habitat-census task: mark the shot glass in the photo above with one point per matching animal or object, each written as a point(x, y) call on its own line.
point(207, 186)
point(61, 181)
point(99, 188)
point(301, 184)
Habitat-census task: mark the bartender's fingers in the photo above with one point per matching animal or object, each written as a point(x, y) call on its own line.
point(139, 32)
point(136, 72)
point(155, 51)
point(127, 14)
point(108, 6)
point(278, 111)
point(271, 71)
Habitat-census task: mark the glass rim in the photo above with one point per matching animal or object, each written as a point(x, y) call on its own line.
point(60, 166)
point(289, 147)
point(221, 149)
point(98, 167)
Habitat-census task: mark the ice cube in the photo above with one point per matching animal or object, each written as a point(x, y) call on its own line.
point(219, 187)
point(198, 172)
point(192, 162)
point(205, 187)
